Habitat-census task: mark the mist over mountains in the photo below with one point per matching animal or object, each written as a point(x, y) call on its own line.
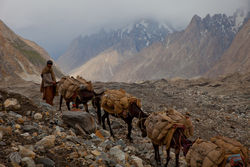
point(148, 50)
point(54, 24)
point(127, 41)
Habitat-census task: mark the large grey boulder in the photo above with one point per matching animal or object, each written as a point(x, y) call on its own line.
point(84, 120)
point(46, 162)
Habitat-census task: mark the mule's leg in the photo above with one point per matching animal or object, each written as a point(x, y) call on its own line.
point(77, 103)
point(60, 104)
point(103, 120)
point(68, 106)
point(177, 152)
point(129, 122)
point(110, 129)
point(86, 107)
point(157, 155)
point(168, 157)
point(99, 115)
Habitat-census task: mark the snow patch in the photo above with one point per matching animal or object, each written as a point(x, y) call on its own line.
point(111, 71)
point(167, 44)
point(204, 33)
point(165, 26)
point(144, 23)
point(127, 29)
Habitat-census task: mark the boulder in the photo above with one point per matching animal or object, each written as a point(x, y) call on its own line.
point(11, 104)
point(83, 119)
point(28, 162)
point(1, 135)
point(30, 128)
point(47, 141)
point(38, 116)
point(118, 154)
point(5, 130)
point(46, 162)
point(137, 161)
point(24, 152)
point(15, 157)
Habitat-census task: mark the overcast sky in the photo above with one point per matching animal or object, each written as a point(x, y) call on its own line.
point(53, 24)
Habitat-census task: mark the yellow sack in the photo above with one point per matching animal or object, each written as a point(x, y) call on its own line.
point(68, 86)
point(86, 83)
point(231, 147)
point(160, 126)
point(204, 154)
point(117, 102)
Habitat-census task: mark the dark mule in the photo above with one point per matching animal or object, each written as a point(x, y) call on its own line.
point(178, 142)
point(134, 111)
point(82, 96)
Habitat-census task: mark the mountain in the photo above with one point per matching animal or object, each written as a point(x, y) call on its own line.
point(189, 53)
point(20, 58)
point(127, 40)
point(237, 56)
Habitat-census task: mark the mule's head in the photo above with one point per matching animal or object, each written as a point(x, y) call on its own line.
point(142, 127)
point(96, 101)
point(136, 111)
point(84, 94)
point(186, 144)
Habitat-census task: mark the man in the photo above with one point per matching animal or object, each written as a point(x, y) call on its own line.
point(48, 84)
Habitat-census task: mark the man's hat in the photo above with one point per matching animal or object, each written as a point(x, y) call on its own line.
point(50, 62)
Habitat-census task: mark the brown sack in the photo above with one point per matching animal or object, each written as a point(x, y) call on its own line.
point(204, 154)
point(86, 83)
point(161, 126)
point(118, 101)
point(231, 147)
point(66, 83)
point(124, 102)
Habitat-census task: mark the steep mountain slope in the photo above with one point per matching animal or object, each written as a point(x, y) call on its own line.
point(131, 38)
point(189, 53)
point(102, 67)
point(237, 56)
point(20, 58)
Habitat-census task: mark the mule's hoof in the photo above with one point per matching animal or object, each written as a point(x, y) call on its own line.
point(157, 164)
point(130, 139)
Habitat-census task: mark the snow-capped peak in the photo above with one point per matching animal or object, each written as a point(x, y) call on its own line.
point(239, 17)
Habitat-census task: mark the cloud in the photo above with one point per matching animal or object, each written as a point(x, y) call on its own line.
point(54, 23)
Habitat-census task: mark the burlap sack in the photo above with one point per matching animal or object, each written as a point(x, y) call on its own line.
point(68, 86)
point(204, 154)
point(86, 83)
point(160, 126)
point(118, 101)
point(231, 147)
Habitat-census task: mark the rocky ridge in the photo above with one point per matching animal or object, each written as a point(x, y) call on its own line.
point(20, 58)
point(237, 56)
point(126, 41)
point(33, 132)
point(189, 53)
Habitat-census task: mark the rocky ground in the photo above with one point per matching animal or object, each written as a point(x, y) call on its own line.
point(33, 133)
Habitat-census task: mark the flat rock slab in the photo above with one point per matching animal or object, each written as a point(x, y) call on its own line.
point(83, 119)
